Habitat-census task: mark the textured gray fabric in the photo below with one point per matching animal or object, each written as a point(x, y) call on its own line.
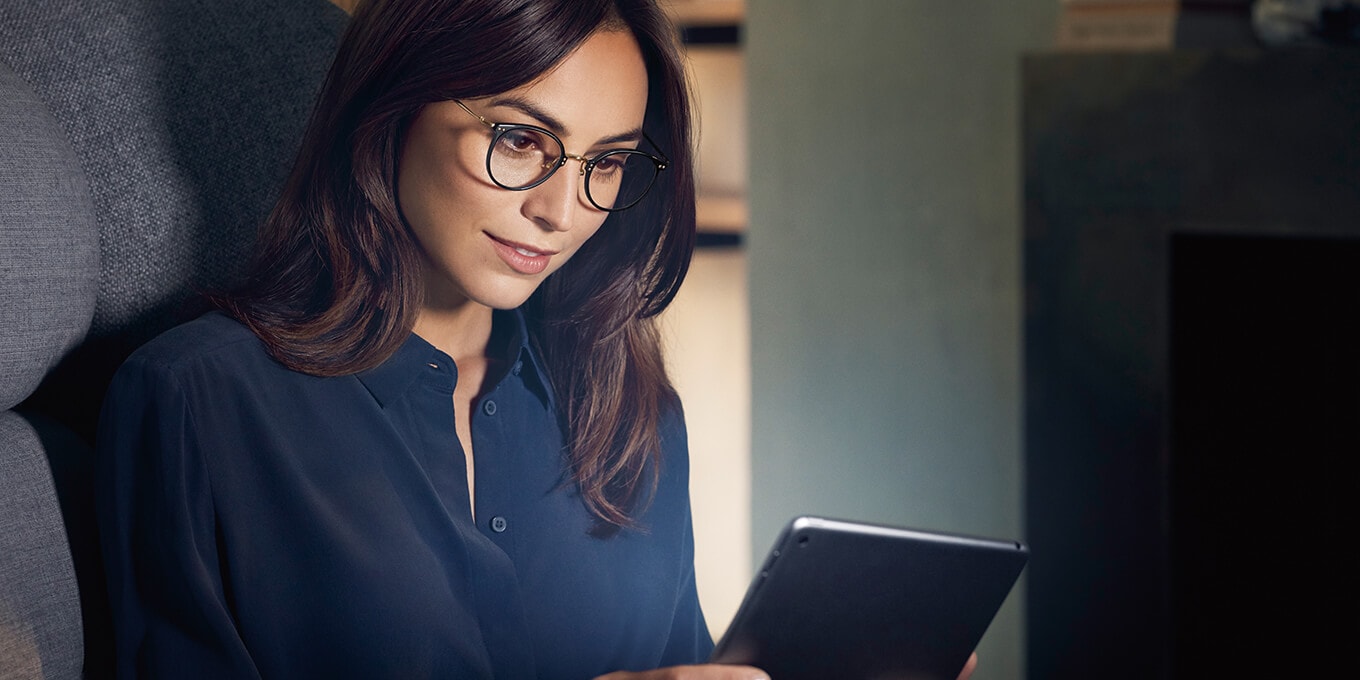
point(186, 115)
point(182, 116)
point(40, 618)
point(49, 255)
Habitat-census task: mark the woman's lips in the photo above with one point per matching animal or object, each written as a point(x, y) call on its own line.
point(522, 258)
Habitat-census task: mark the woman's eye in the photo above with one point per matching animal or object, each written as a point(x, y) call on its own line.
point(520, 141)
point(608, 166)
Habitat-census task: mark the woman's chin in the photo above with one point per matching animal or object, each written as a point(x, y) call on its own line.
point(507, 295)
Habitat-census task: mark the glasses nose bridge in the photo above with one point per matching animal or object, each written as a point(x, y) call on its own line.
point(585, 162)
point(553, 166)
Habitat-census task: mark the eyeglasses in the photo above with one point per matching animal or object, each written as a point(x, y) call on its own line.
point(524, 156)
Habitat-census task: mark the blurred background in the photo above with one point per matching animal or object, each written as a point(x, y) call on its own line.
point(878, 268)
point(1077, 272)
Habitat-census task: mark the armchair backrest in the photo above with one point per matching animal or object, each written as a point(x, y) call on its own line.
point(49, 258)
point(141, 144)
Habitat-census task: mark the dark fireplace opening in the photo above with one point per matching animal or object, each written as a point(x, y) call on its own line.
point(1265, 437)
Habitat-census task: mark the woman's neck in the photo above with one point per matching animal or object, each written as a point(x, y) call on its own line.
point(462, 331)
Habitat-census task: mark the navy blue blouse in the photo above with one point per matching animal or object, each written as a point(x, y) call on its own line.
point(259, 522)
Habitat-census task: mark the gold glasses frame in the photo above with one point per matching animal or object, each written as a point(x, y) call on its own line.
point(498, 130)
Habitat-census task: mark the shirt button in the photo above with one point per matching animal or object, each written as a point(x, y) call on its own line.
point(519, 366)
point(489, 407)
point(499, 525)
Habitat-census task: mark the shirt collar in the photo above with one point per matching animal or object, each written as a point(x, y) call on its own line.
point(524, 362)
point(416, 357)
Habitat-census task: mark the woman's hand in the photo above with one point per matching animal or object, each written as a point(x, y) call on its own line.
point(715, 672)
point(705, 672)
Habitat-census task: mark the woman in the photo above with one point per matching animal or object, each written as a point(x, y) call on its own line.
point(431, 435)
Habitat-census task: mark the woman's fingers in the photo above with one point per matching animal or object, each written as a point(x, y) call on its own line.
point(969, 667)
point(716, 672)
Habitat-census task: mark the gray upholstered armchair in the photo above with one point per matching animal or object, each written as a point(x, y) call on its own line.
point(141, 142)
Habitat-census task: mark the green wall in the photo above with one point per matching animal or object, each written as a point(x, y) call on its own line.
point(884, 251)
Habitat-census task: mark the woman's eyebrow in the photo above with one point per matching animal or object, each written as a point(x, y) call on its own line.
point(529, 109)
point(634, 136)
point(552, 123)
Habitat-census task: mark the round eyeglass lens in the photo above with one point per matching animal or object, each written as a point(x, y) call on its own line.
point(521, 157)
point(618, 179)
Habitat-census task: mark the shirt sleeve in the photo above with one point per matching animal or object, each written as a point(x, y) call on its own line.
point(171, 611)
point(689, 641)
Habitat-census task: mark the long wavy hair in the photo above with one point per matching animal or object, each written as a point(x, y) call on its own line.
point(336, 281)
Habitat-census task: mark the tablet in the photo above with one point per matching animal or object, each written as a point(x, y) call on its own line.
point(840, 599)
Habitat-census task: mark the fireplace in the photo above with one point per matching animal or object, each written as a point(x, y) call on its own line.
point(1192, 362)
point(1265, 437)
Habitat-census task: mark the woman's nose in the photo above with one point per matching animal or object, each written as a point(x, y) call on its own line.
point(554, 204)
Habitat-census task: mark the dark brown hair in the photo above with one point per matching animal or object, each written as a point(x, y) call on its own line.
point(336, 282)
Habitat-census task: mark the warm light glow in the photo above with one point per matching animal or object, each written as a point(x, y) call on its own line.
point(708, 356)
point(705, 11)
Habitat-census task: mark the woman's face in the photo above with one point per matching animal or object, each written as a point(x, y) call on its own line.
point(491, 246)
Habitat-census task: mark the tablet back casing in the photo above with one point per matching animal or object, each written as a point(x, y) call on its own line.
point(848, 600)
